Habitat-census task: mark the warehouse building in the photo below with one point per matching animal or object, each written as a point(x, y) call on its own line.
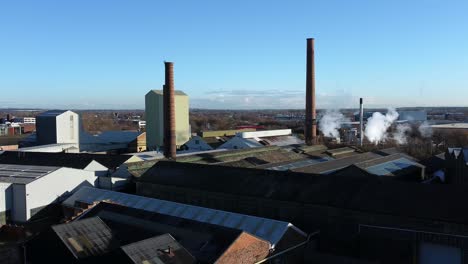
point(137, 218)
point(26, 189)
point(111, 170)
point(154, 109)
point(358, 214)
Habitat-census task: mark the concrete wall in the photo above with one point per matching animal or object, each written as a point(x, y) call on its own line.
point(68, 128)
point(155, 121)
point(53, 186)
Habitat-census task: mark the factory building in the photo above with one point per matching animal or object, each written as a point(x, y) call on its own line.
point(377, 219)
point(210, 236)
point(26, 189)
point(154, 113)
point(58, 127)
point(110, 170)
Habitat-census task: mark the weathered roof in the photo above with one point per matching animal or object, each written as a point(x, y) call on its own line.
point(295, 164)
point(23, 174)
point(393, 167)
point(87, 237)
point(163, 249)
point(267, 229)
point(333, 165)
point(70, 160)
point(205, 241)
point(355, 191)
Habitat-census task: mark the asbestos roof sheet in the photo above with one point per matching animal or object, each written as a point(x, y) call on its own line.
point(267, 229)
point(299, 164)
point(158, 250)
point(87, 237)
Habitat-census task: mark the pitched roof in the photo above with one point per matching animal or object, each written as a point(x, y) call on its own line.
point(70, 160)
point(85, 238)
point(205, 241)
point(356, 191)
point(267, 229)
point(333, 165)
point(163, 249)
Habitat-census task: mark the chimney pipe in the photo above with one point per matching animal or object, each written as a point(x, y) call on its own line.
point(169, 112)
point(361, 122)
point(311, 122)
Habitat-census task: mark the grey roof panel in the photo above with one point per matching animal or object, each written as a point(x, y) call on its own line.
point(267, 229)
point(23, 174)
point(87, 237)
point(158, 250)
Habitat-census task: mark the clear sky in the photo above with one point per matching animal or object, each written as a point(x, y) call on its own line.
point(233, 54)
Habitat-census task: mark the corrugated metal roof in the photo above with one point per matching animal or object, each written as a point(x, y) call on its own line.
point(390, 167)
point(158, 250)
point(267, 229)
point(300, 164)
point(87, 237)
point(23, 174)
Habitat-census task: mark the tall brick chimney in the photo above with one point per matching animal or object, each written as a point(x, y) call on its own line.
point(169, 112)
point(310, 116)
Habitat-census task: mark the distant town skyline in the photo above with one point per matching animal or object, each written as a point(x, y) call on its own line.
point(233, 55)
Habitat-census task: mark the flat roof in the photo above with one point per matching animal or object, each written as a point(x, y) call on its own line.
point(23, 174)
point(52, 113)
point(176, 92)
point(453, 126)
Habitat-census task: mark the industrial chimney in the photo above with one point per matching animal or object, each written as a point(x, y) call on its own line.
point(310, 116)
point(169, 112)
point(361, 122)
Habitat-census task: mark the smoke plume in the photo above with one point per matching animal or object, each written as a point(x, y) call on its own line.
point(330, 122)
point(378, 124)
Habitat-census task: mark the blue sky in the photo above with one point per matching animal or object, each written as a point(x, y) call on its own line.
point(233, 54)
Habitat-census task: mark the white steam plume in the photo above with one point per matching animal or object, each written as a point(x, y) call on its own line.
point(425, 130)
point(330, 122)
point(400, 136)
point(378, 124)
